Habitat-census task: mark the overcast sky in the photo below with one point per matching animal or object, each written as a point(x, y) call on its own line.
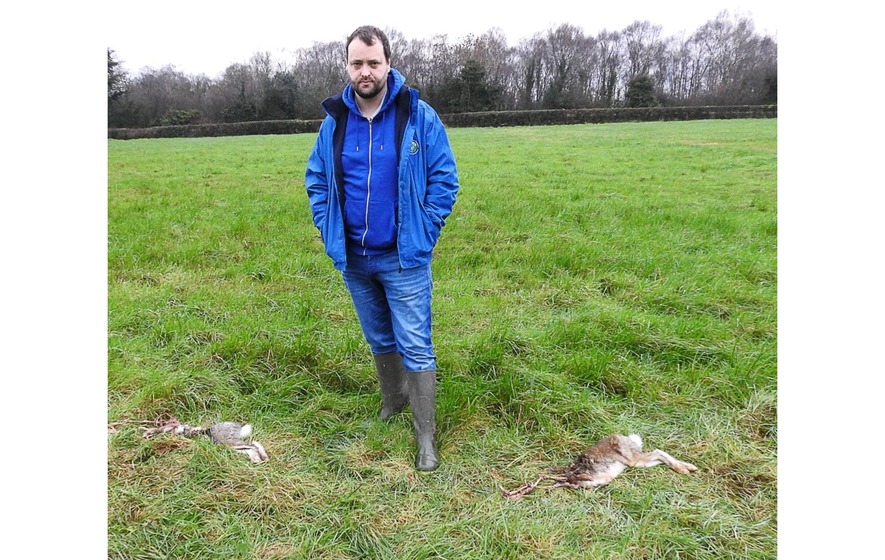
point(203, 37)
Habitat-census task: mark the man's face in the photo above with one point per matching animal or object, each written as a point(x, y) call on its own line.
point(367, 68)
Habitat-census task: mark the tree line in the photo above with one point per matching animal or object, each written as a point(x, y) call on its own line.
point(724, 62)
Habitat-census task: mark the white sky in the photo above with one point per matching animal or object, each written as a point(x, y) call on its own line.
point(199, 37)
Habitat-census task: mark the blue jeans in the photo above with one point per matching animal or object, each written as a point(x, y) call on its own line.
point(393, 306)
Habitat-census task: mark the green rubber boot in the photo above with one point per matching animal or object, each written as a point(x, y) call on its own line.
point(392, 378)
point(422, 399)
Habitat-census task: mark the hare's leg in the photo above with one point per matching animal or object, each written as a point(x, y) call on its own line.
point(567, 484)
point(658, 457)
point(262, 454)
point(256, 453)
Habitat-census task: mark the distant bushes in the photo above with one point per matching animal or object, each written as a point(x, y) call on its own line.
point(292, 126)
point(466, 120)
point(628, 114)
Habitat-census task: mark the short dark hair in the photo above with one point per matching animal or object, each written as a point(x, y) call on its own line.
point(368, 34)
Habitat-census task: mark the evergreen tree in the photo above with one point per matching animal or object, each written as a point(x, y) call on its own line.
point(641, 92)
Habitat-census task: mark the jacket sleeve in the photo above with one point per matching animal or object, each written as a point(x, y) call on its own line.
point(316, 180)
point(442, 174)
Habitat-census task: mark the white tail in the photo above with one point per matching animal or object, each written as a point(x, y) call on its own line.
point(246, 431)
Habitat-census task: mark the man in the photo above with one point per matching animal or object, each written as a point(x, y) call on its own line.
point(381, 181)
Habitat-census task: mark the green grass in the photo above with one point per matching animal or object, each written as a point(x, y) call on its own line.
point(591, 280)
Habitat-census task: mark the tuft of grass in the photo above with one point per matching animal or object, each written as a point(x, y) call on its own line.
point(592, 279)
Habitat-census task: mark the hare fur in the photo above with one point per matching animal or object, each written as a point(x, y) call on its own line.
point(612, 455)
point(601, 463)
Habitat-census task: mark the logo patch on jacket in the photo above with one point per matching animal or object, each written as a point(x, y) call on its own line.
point(414, 147)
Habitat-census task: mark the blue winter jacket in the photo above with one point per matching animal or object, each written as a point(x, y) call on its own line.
point(427, 183)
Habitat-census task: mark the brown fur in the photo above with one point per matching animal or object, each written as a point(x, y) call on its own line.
point(601, 463)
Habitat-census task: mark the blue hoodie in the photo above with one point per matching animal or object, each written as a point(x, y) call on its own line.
point(426, 176)
point(370, 173)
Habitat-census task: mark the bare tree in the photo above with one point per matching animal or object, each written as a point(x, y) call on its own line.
point(444, 66)
point(491, 53)
point(722, 62)
point(673, 72)
point(527, 73)
point(414, 59)
point(644, 47)
point(563, 57)
point(320, 72)
point(157, 93)
point(609, 46)
point(727, 48)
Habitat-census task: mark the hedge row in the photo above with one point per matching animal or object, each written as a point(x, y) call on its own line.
point(217, 129)
point(464, 120)
point(581, 116)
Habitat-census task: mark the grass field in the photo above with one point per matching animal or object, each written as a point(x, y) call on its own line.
point(591, 280)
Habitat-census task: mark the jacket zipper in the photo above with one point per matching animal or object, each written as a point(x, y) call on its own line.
point(368, 188)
